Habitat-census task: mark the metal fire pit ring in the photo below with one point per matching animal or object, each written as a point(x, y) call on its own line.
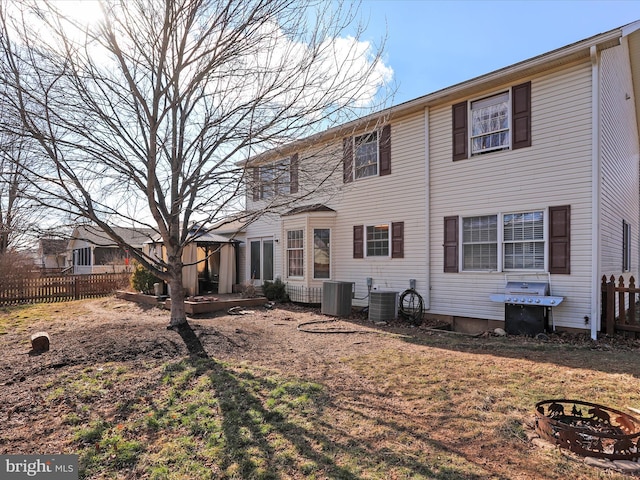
point(589, 429)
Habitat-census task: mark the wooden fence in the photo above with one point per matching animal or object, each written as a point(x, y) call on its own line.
point(60, 289)
point(619, 299)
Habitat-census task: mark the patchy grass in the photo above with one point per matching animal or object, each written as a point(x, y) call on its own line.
point(296, 406)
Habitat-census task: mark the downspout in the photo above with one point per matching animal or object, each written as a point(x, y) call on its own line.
point(427, 203)
point(595, 192)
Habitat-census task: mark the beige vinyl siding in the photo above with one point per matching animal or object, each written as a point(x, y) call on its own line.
point(267, 226)
point(399, 197)
point(555, 170)
point(619, 153)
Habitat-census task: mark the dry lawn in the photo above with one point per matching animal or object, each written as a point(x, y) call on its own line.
point(253, 396)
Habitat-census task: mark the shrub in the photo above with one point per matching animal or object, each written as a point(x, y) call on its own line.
point(142, 280)
point(275, 291)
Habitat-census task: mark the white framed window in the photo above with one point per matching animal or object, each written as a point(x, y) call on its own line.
point(366, 155)
point(523, 241)
point(512, 241)
point(377, 240)
point(321, 253)
point(275, 179)
point(490, 124)
point(295, 253)
point(480, 243)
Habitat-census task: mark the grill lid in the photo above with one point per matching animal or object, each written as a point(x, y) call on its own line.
point(526, 288)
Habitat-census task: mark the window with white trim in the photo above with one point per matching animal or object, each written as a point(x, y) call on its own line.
point(321, 253)
point(366, 155)
point(480, 243)
point(518, 239)
point(295, 253)
point(523, 238)
point(275, 179)
point(490, 124)
point(377, 241)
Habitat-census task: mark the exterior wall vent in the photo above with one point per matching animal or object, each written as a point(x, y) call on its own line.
point(336, 298)
point(383, 306)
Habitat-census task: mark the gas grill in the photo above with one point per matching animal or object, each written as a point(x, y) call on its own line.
point(526, 306)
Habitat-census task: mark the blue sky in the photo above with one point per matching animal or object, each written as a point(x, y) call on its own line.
point(435, 44)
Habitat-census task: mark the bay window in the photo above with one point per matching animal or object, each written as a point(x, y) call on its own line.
point(321, 253)
point(295, 253)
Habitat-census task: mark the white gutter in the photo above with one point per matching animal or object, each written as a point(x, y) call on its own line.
point(427, 203)
point(595, 192)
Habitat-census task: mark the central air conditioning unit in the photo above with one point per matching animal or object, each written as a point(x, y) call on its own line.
point(383, 305)
point(336, 298)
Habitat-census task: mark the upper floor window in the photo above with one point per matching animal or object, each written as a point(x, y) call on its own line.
point(498, 122)
point(490, 124)
point(366, 155)
point(275, 179)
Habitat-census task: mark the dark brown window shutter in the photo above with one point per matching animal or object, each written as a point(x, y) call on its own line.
point(397, 240)
point(256, 184)
point(293, 174)
point(385, 150)
point(358, 241)
point(559, 239)
point(521, 115)
point(451, 244)
point(460, 136)
point(347, 159)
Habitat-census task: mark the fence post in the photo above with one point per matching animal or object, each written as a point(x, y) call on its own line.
point(611, 306)
point(76, 288)
point(632, 301)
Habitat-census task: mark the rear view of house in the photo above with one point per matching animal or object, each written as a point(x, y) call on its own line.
point(529, 174)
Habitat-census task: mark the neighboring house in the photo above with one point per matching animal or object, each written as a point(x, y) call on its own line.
point(531, 170)
point(52, 253)
point(90, 250)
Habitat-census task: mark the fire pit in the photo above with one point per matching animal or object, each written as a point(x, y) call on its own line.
point(589, 429)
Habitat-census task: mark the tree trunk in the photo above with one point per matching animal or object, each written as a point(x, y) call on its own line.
point(178, 315)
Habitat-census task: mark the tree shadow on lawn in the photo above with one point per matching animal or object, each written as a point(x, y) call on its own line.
point(267, 435)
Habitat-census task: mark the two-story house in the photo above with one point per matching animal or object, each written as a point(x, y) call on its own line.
point(531, 170)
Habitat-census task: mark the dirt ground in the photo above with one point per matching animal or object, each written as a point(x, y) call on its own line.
point(112, 330)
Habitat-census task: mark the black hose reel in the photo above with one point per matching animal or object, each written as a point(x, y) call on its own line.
point(411, 306)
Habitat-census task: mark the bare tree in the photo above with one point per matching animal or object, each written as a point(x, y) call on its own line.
point(146, 118)
point(20, 217)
